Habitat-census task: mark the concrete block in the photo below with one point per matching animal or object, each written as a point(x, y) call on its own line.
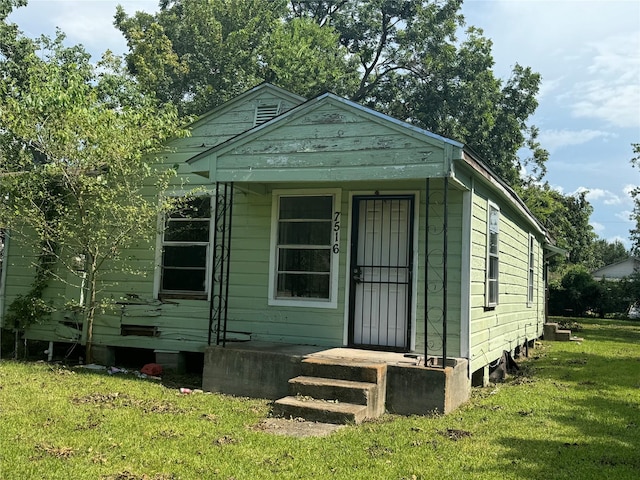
point(343, 391)
point(553, 333)
point(416, 390)
point(103, 355)
point(480, 378)
point(251, 373)
point(319, 411)
point(171, 360)
point(549, 331)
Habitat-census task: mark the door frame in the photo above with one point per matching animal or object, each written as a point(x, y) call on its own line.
point(412, 323)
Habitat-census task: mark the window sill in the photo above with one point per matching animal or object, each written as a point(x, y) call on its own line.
point(183, 296)
point(280, 302)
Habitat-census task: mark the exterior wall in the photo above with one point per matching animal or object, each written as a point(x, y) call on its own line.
point(513, 320)
point(432, 219)
point(237, 116)
point(250, 313)
point(17, 273)
point(180, 325)
point(329, 142)
point(359, 154)
point(19, 266)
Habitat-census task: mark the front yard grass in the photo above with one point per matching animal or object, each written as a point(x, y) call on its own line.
point(573, 412)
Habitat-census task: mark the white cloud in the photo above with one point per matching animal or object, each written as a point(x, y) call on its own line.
point(611, 90)
point(599, 194)
point(588, 52)
point(555, 139)
point(547, 87)
point(624, 215)
point(89, 22)
point(557, 188)
point(609, 100)
point(597, 227)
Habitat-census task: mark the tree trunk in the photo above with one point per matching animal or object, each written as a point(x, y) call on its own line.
point(91, 310)
point(16, 343)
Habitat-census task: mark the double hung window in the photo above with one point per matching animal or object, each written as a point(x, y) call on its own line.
point(493, 264)
point(185, 250)
point(303, 240)
point(531, 277)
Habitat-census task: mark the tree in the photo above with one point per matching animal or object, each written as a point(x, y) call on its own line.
point(566, 217)
point(306, 58)
point(635, 195)
point(76, 156)
point(606, 253)
point(400, 57)
point(198, 53)
point(413, 67)
point(576, 293)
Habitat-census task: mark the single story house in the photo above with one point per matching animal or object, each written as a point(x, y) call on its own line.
point(324, 226)
point(618, 270)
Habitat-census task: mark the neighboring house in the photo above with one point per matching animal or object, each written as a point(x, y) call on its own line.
point(328, 225)
point(618, 270)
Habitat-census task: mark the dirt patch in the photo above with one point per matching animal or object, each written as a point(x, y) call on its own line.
point(455, 434)
point(127, 475)
point(120, 400)
point(296, 427)
point(53, 451)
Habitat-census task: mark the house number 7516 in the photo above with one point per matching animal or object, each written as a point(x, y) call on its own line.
point(336, 232)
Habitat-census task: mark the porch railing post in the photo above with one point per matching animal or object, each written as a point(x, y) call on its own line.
point(426, 271)
point(435, 282)
point(444, 270)
point(220, 260)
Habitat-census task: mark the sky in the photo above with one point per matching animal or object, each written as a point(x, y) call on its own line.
point(587, 52)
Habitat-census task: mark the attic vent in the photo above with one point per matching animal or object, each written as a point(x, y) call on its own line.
point(264, 113)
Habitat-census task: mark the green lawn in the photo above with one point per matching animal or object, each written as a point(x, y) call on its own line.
point(573, 412)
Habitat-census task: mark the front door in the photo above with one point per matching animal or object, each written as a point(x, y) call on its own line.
point(381, 271)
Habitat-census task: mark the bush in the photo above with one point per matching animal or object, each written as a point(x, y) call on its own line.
point(578, 293)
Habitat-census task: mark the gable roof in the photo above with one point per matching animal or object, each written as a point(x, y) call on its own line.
point(198, 161)
point(247, 96)
point(260, 155)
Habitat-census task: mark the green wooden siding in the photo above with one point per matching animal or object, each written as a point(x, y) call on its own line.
point(328, 141)
point(435, 296)
point(512, 321)
point(326, 145)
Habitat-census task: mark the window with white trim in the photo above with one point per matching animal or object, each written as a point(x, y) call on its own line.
point(531, 277)
point(185, 250)
point(492, 263)
point(305, 245)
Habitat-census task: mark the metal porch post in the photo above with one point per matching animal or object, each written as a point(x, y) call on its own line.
point(437, 284)
point(221, 255)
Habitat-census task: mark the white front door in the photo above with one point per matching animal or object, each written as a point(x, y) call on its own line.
point(381, 271)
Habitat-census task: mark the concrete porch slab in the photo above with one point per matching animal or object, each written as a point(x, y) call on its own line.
point(263, 370)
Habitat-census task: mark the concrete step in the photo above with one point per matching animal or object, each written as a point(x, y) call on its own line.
point(344, 369)
point(344, 391)
point(315, 410)
point(552, 332)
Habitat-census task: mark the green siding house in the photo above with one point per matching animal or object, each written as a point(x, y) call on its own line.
point(322, 224)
